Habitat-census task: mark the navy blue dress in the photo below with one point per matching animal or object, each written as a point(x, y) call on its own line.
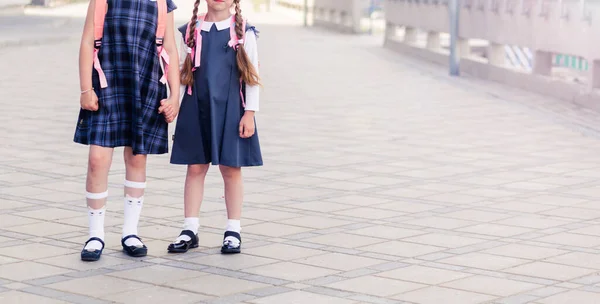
point(128, 108)
point(207, 128)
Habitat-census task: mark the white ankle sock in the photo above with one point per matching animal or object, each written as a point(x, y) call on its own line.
point(132, 210)
point(96, 220)
point(189, 223)
point(234, 225)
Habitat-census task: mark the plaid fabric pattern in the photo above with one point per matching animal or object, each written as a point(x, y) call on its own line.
point(128, 107)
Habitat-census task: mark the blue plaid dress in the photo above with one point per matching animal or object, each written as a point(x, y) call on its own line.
point(128, 107)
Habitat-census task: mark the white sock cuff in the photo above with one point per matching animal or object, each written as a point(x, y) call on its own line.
point(103, 209)
point(96, 196)
point(136, 185)
point(191, 220)
point(134, 199)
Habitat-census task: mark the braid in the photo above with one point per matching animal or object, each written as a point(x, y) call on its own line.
point(246, 68)
point(187, 76)
point(191, 38)
point(239, 22)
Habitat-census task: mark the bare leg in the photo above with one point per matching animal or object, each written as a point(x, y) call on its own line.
point(234, 191)
point(194, 189)
point(135, 171)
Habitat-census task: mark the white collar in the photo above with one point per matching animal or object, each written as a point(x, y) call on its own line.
point(221, 25)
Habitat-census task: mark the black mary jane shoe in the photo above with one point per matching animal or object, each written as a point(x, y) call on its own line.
point(92, 256)
point(134, 251)
point(183, 246)
point(228, 248)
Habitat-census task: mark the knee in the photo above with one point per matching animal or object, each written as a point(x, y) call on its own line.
point(99, 161)
point(135, 161)
point(197, 170)
point(230, 173)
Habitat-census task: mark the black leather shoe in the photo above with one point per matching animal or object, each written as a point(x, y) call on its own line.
point(228, 247)
point(134, 251)
point(92, 256)
point(183, 246)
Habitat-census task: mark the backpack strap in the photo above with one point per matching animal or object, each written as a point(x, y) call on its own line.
point(160, 36)
point(99, 13)
point(197, 50)
point(162, 21)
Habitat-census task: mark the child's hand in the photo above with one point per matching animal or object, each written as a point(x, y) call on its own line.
point(247, 125)
point(89, 101)
point(169, 109)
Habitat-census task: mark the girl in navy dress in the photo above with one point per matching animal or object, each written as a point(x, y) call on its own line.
point(124, 72)
point(216, 124)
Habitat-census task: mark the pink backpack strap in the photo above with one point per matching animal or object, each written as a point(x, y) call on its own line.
point(160, 36)
point(99, 13)
point(197, 50)
point(162, 21)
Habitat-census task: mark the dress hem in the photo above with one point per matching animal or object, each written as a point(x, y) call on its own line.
point(255, 164)
point(122, 145)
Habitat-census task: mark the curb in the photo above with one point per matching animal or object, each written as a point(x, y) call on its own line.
point(12, 9)
point(41, 4)
point(52, 3)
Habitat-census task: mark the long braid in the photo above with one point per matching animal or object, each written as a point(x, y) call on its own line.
point(239, 22)
point(246, 68)
point(187, 76)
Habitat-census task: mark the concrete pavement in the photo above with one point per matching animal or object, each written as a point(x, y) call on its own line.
point(385, 181)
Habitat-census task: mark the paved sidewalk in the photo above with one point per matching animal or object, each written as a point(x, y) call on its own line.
point(384, 182)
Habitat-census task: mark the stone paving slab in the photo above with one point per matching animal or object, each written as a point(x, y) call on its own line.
point(384, 182)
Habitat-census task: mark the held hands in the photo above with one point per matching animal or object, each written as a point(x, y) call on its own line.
point(89, 100)
point(169, 109)
point(247, 125)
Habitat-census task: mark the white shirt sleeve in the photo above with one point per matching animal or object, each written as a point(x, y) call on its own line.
point(252, 92)
point(182, 54)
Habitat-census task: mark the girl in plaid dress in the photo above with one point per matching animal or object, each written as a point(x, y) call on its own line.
point(216, 125)
point(131, 109)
